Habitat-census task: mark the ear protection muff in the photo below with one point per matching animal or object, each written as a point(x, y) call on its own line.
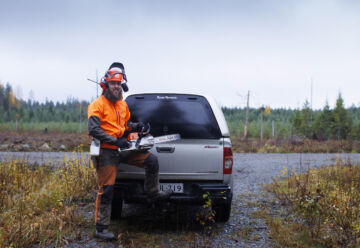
point(125, 87)
point(103, 84)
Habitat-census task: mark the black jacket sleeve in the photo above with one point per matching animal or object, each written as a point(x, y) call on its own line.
point(96, 132)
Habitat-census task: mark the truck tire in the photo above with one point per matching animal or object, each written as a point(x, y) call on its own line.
point(116, 209)
point(222, 211)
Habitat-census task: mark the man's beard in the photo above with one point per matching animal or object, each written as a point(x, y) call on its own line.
point(112, 96)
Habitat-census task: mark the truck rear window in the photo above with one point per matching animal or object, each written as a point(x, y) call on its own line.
point(189, 115)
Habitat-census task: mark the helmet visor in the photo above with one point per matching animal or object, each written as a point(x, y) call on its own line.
point(115, 77)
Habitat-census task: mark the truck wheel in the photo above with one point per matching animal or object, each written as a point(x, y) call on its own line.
point(222, 211)
point(116, 209)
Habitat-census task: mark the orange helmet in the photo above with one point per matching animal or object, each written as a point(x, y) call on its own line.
point(114, 75)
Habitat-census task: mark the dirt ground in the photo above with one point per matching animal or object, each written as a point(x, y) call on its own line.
point(34, 141)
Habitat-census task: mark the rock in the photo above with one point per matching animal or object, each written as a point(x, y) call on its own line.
point(45, 147)
point(4, 147)
point(25, 147)
point(19, 140)
point(62, 147)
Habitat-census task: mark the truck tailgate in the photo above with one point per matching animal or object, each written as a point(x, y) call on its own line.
point(189, 159)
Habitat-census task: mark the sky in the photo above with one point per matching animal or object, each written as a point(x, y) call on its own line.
point(274, 49)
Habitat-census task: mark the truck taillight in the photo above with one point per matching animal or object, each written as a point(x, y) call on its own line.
point(228, 160)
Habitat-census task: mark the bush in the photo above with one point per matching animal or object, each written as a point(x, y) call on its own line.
point(321, 207)
point(38, 202)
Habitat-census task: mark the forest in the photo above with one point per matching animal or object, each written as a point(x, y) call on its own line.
point(337, 123)
point(329, 123)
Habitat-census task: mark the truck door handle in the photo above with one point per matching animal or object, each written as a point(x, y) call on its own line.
point(165, 149)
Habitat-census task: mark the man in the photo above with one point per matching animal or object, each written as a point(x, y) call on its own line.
point(108, 121)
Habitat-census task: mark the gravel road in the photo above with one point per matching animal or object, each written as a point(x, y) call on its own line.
point(50, 158)
point(251, 172)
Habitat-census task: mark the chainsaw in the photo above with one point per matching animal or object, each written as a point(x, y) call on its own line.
point(145, 141)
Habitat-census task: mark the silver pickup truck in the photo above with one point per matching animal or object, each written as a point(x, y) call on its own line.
point(200, 162)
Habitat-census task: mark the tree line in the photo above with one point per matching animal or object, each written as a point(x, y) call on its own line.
point(337, 123)
point(328, 123)
point(14, 109)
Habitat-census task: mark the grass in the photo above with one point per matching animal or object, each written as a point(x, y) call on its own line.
point(63, 127)
point(38, 203)
point(41, 206)
point(320, 208)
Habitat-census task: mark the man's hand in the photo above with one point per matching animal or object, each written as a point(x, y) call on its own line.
point(122, 143)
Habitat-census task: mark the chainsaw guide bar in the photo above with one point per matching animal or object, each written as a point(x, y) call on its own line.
point(148, 141)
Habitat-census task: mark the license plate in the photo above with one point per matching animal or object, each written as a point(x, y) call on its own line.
point(175, 187)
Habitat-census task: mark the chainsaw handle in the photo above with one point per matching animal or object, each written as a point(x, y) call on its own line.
point(142, 133)
point(147, 128)
point(137, 143)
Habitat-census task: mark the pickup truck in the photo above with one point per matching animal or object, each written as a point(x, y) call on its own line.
point(200, 162)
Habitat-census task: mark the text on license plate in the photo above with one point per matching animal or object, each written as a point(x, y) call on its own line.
point(175, 187)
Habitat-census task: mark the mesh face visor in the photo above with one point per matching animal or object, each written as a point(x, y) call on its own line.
point(117, 76)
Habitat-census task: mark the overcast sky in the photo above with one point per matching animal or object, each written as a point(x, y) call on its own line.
point(221, 48)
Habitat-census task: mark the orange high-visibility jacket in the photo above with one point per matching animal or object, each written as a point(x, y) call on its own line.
point(113, 117)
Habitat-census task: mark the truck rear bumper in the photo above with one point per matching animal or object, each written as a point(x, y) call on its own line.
point(131, 191)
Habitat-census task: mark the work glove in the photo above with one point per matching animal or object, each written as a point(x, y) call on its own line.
point(122, 143)
point(138, 126)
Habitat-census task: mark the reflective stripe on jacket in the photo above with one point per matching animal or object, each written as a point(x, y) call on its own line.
point(113, 118)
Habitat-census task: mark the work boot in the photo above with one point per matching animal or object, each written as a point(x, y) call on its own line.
point(104, 235)
point(159, 195)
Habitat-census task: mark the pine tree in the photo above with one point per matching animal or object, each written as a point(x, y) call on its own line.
point(324, 123)
point(341, 122)
point(302, 121)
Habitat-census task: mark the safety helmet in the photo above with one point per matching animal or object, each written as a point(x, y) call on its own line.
point(115, 73)
point(112, 75)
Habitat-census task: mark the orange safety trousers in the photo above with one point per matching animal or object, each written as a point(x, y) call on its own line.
point(106, 175)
